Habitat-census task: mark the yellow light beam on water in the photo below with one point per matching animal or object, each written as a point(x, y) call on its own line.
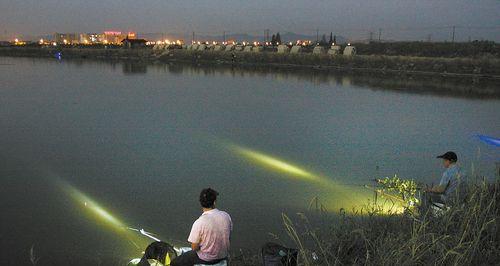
point(93, 207)
point(98, 213)
point(274, 163)
point(347, 196)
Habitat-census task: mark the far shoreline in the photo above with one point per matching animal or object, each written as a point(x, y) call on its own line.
point(475, 78)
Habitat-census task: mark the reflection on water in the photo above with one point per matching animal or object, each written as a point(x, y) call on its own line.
point(134, 68)
point(141, 146)
point(468, 87)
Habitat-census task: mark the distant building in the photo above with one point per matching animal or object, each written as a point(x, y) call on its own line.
point(66, 38)
point(133, 43)
point(115, 37)
point(89, 38)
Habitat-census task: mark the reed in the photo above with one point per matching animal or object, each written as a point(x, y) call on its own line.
point(465, 234)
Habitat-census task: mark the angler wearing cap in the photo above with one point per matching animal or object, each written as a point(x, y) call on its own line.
point(451, 180)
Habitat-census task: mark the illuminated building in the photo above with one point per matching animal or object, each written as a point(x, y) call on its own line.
point(89, 38)
point(115, 37)
point(66, 38)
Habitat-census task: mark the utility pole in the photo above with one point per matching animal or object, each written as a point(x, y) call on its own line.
point(224, 36)
point(192, 39)
point(379, 34)
point(317, 35)
point(453, 35)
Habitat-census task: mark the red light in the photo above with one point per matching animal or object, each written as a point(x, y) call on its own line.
point(113, 32)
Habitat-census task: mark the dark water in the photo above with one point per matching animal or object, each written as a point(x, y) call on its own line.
point(142, 140)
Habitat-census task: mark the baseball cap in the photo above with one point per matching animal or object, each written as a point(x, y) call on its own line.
point(451, 156)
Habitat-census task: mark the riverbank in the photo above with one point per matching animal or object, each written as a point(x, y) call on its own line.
point(485, 67)
point(465, 234)
point(380, 72)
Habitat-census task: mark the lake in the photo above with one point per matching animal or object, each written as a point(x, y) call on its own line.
point(142, 141)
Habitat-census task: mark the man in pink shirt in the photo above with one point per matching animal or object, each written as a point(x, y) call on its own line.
point(209, 235)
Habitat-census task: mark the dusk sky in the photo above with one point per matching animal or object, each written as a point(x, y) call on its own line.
point(399, 19)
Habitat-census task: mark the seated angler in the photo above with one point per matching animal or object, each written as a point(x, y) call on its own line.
point(209, 235)
point(451, 185)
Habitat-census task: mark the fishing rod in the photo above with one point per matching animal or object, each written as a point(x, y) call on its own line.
point(144, 233)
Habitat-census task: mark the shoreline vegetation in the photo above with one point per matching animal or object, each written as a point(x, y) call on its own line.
point(484, 66)
point(477, 77)
point(466, 233)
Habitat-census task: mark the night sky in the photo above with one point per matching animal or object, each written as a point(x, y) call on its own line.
point(399, 19)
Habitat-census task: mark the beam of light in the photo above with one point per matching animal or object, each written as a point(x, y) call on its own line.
point(339, 195)
point(98, 213)
point(275, 163)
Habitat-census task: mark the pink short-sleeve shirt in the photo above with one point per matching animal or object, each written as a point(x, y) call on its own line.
point(212, 231)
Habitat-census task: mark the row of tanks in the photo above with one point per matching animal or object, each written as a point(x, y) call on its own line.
point(348, 50)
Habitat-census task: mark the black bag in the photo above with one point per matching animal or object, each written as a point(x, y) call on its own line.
point(276, 255)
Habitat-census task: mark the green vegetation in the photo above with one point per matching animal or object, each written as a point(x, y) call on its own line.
point(467, 233)
point(474, 49)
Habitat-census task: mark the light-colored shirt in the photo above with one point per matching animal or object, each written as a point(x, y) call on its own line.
point(452, 178)
point(212, 231)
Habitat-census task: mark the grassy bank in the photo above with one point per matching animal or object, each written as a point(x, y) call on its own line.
point(485, 67)
point(473, 49)
point(466, 234)
point(437, 66)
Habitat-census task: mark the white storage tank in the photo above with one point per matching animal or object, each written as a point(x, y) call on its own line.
point(257, 49)
point(334, 50)
point(219, 47)
point(296, 49)
point(283, 49)
point(349, 50)
point(202, 47)
point(319, 50)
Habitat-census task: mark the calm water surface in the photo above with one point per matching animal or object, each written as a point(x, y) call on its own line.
point(143, 140)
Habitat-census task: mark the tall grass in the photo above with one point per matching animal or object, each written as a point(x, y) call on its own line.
point(467, 233)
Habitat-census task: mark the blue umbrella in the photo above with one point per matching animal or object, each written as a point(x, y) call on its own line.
point(489, 140)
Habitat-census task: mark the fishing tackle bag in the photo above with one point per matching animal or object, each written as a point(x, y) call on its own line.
point(276, 255)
